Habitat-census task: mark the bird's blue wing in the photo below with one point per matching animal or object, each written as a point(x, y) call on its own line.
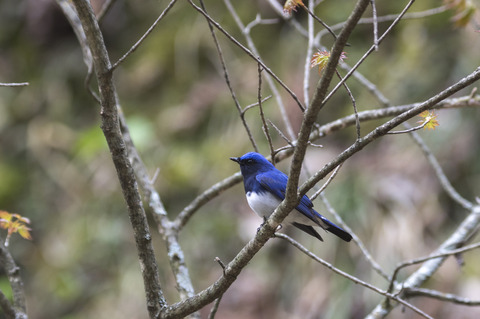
point(275, 182)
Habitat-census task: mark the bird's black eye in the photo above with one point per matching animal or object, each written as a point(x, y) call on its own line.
point(249, 161)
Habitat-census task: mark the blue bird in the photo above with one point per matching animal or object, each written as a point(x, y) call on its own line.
point(265, 189)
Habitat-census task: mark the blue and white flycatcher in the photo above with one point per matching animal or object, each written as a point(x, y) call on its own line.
point(265, 189)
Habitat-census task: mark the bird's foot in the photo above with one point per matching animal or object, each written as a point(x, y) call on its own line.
point(263, 223)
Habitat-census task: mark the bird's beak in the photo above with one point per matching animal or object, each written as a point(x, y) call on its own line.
point(235, 159)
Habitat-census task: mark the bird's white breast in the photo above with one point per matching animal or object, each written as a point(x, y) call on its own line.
point(263, 205)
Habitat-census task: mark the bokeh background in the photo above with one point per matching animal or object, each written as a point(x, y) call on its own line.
point(56, 170)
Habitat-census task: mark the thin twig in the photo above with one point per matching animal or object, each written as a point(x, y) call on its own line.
point(386, 18)
point(283, 136)
point(372, 88)
point(155, 176)
point(144, 36)
point(205, 197)
point(262, 115)
point(329, 180)
point(107, 5)
point(375, 25)
point(320, 21)
point(14, 84)
point(308, 56)
point(422, 292)
point(248, 107)
point(354, 104)
point(411, 129)
point(258, 21)
point(213, 312)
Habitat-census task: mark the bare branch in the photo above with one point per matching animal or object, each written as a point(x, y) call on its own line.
point(375, 25)
point(308, 56)
point(213, 312)
point(248, 107)
point(354, 104)
point(388, 18)
point(14, 84)
point(262, 115)
point(230, 273)
point(457, 239)
point(350, 277)
point(205, 197)
point(411, 129)
point(424, 259)
point(116, 144)
point(422, 292)
point(281, 134)
point(320, 21)
point(176, 258)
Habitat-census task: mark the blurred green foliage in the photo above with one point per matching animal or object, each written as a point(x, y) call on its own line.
point(56, 170)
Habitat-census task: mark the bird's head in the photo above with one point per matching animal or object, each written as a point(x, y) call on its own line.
point(253, 163)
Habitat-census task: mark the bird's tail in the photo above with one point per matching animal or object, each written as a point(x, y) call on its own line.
point(336, 230)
